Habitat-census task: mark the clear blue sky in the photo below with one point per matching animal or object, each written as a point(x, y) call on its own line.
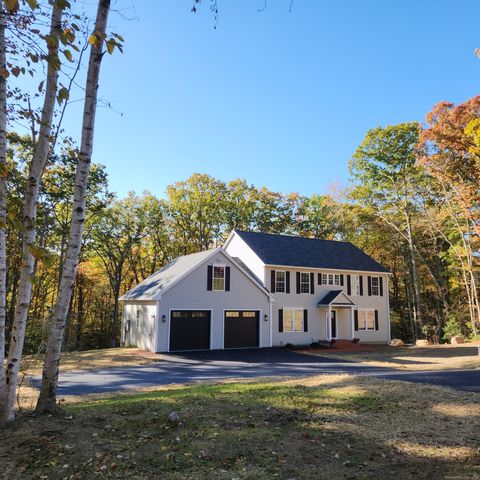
point(281, 99)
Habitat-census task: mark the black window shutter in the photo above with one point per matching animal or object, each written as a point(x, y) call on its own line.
point(381, 286)
point(349, 285)
point(209, 277)
point(272, 281)
point(355, 320)
point(287, 282)
point(319, 279)
point(280, 320)
point(369, 283)
point(227, 279)
point(360, 279)
point(376, 319)
point(341, 280)
point(298, 282)
point(305, 320)
point(312, 283)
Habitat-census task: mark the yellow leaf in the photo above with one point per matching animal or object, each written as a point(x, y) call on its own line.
point(11, 5)
point(32, 4)
point(92, 39)
point(68, 55)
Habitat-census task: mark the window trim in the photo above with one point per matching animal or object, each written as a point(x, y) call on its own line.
point(377, 286)
point(293, 310)
point(331, 279)
point(366, 329)
point(302, 283)
point(284, 281)
point(214, 266)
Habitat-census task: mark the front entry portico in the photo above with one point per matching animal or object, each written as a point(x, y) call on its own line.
point(338, 310)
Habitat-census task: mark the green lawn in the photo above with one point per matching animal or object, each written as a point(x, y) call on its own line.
point(325, 427)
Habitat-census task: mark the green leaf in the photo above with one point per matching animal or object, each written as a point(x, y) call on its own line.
point(63, 94)
point(68, 55)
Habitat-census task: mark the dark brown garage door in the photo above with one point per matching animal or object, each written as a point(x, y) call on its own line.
point(241, 329)
point(189, 330)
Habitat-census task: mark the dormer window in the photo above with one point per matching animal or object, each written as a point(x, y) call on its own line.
point(218, 278)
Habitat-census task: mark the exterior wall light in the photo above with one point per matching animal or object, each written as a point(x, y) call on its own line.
point(164, 318)
point(266, 318)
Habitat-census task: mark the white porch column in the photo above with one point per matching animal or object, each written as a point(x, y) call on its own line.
point(329, 323)
point(352, 319)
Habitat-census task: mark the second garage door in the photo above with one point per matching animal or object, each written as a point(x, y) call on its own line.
point(241, 329)
point(190, 330)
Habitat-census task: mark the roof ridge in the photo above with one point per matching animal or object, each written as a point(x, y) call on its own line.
point(292, 236)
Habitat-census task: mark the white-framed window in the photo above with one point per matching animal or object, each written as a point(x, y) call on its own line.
point(304, 282)
point(280, 279)
point(375, 286)
point(366, 319)
point(218, 283)
point(293, 320)
point(330, 279)
point(355, 279)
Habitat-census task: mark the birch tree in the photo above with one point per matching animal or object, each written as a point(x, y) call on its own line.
point(47, 399)
point(40, 155)
point(3, 191)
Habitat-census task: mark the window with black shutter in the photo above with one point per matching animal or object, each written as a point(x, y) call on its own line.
point(349, 285)
point(280, 320)
point(305, 320)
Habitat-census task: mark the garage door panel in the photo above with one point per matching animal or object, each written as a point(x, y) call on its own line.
point(189, 330)
point(241, 329)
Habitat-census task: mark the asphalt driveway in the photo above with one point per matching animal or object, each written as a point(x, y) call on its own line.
point(216, 365)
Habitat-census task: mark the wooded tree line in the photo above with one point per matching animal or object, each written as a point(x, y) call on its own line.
point(412, 204)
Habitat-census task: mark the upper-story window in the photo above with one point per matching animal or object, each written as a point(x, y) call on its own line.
point(330, 279)
point(218, 278)
point(304, 282)
point(138, 313)
point(355, 285)
point(280, 281)
point(375, 286)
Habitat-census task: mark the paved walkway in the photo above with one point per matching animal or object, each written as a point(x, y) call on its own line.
point(216, 365)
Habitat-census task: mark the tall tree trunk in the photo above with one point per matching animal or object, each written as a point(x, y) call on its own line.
point(47, 401)
point(416, 284)
point(3, 195)
point(80, 313)
point(40, 156)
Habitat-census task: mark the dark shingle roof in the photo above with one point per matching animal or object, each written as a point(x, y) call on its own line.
point(330, 297)
point(288, 250)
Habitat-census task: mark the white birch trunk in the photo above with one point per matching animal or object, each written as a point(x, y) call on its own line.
point(40, 156)
point(47, 399)
point(3, 194)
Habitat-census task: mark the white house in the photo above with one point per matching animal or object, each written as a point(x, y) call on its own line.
point(260, 290)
